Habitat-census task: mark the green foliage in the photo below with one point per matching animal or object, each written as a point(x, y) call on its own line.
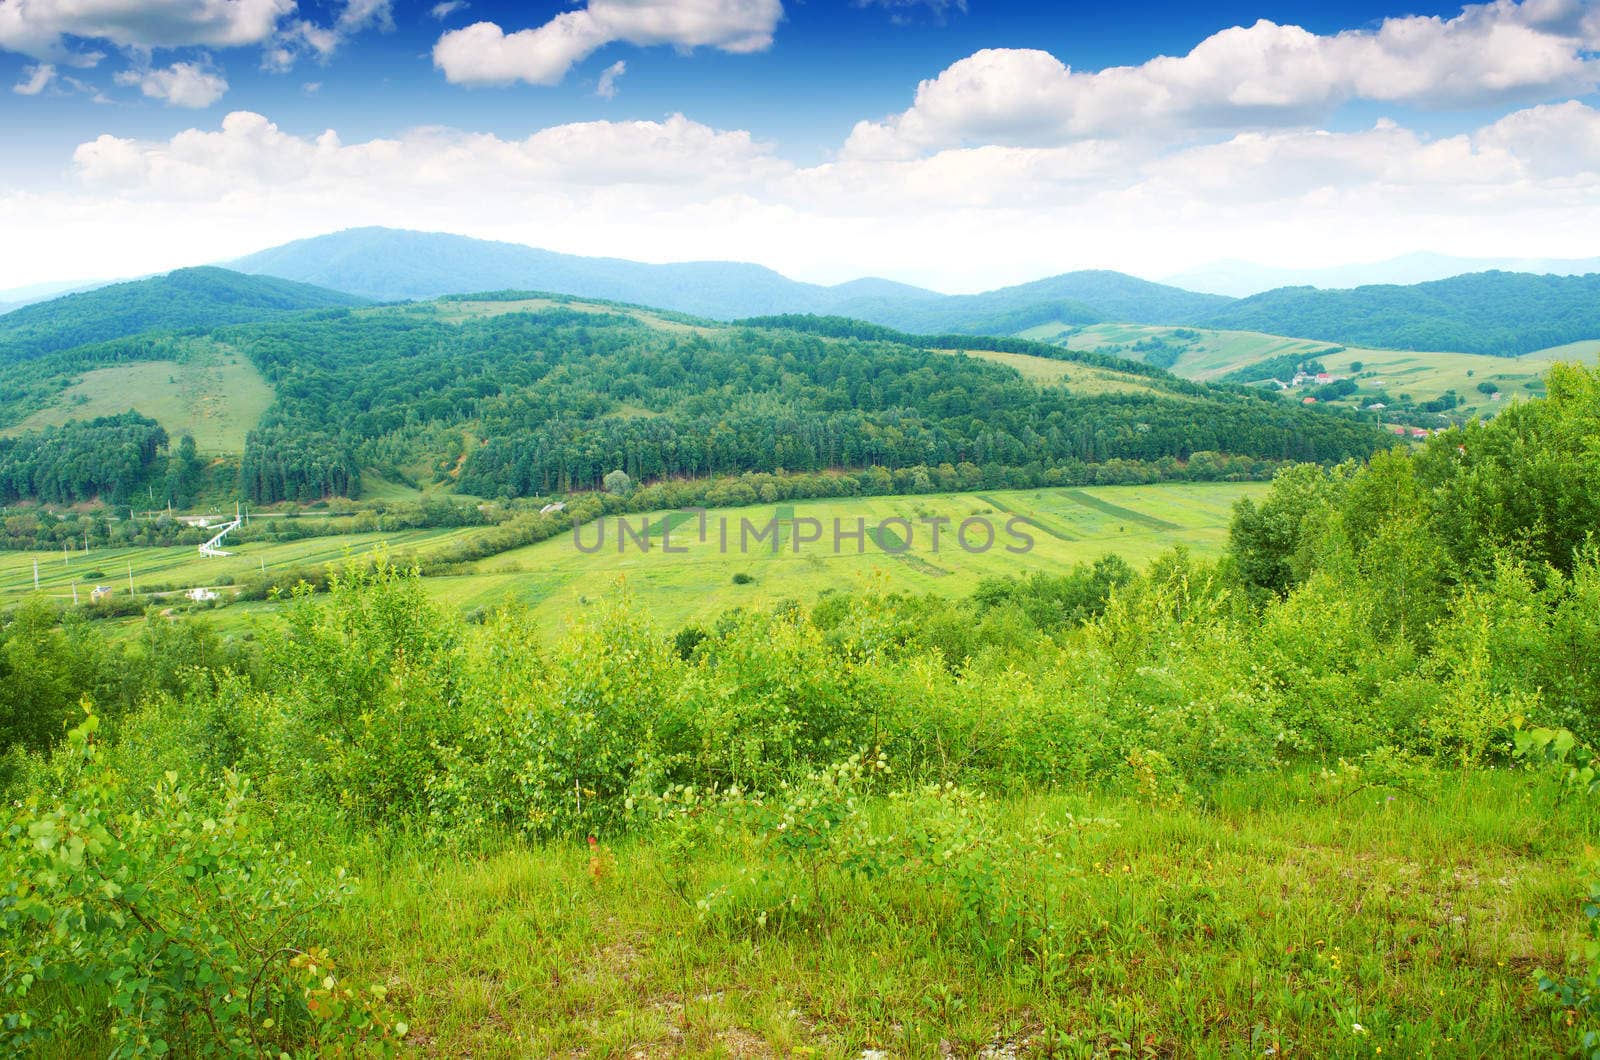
point(101, 458)
point(367, 706)
point(163, 922)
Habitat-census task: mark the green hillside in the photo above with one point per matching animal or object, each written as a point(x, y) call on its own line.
point(1497, 313)
point(513, 395)
point(181, 300)
point(212, 394)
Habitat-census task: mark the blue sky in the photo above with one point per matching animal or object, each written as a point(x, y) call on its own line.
point(958, 145)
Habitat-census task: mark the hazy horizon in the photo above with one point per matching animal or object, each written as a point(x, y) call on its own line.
point(954, 146)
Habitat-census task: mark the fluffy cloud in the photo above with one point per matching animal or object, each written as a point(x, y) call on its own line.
point(962, 218)
point(38, 27)
point(1554, 142)
point(484, 54)
point(1261, 75)
point(444, 10)
point(607, 87)
point(250, 154)
point(35, 79)
point(181, 84)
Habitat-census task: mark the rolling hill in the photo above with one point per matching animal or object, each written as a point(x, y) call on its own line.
point(1496, 313)
point(1240, 279)
point(202, 297)
point(1502, 314)
point(513, 395)
point(390, 264)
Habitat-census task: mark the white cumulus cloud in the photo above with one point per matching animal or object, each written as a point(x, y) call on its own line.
point(484, 54)
point(181, 84)
point(1261, 75)
point(39, 28)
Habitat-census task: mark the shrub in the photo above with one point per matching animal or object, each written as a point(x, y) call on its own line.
point(171, 922)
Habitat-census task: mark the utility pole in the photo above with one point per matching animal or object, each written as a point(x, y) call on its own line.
point(131, 593)
point(36, 574)
point(74, 592)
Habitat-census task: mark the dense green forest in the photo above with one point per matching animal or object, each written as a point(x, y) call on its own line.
point(1503, 314)
point(184, 299)
point(562, 397)
point(1055, 793)
point(106, 458)
point(522, 403)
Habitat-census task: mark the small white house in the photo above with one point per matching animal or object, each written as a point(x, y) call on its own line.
point(551, 509)
point(201, 595)
point(99, 592)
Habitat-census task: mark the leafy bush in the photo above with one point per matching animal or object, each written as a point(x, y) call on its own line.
point(169, 923)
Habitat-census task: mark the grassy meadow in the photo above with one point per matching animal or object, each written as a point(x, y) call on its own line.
point(1297, 916)
point(214, 394)
point(182, 567)
point(1070, 526)
point(558, 581)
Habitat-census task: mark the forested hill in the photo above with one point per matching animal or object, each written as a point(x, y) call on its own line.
point(185, 299)
point(1088, 297)
point(1503, 314)
point(559, 397)
point(516, 395)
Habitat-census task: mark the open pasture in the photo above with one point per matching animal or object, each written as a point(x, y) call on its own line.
point(1067, 526)
point(559, 580)
point(215, 394)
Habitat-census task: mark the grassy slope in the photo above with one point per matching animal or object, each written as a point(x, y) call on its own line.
point(1423, 375)
point(216, 395)
point(1294, 917)
point(1084, 379)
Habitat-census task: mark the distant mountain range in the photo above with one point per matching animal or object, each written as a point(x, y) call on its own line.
point(1240, 279)
point(1499, 313)
point(389, 265)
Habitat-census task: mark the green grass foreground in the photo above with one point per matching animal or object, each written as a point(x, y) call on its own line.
point(1305, 914)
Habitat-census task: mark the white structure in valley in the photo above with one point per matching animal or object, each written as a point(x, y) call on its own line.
point(211, 548)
